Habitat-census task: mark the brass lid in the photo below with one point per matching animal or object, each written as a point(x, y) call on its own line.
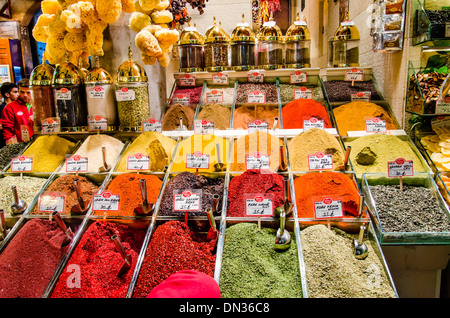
point(190, 35)
point(67, 73)
point(42, 74)
point(216, 33)
point(346, 31)
point(270, 31)
point(98, 74)
point(298, 31)
point(243, 32)
point(131, 71)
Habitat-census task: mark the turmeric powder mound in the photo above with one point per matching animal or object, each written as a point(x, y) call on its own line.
point(315, 186)
point(352, 116)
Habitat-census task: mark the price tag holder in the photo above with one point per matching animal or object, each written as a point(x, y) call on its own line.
point(152, 125)
point(320, 161)
point(258, 205)
point(328, 208)
point(400, 168)
point(303, 93)
point(188, 200)
point(214, 96)
point(313, 123)
point(52, 202)
point(22, 164)
point(258, 125)
point(181, 99)
point(187, 80)
point(376, 125)
point(97, 123)
point(361, 97)
point(125, 94)
point(298, 77)
point(51, 126)
point(220, 79)
point(97, 92)
point(77, 164)
point(255, 77)
point(203, 127)
point(106, 201)
point(354, 75)
point(197, 160)
point(256, 97)
point(138, 162)
point(257, 161)
point(63, 94)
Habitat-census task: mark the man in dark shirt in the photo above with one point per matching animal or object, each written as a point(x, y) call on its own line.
point(10, 93)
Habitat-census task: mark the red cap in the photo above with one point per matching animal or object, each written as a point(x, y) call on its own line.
point(187, 284)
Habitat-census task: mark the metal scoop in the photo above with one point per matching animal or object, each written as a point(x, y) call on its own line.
point(126, 257)
point(145, 208)
point(287, 207)
point(18, 206)
point(3, 230)
point(347, 156)
point(82, 206)
point(361, 250)
point(283, 162)
point(283, 238)
point(59, 221)
point(182, 126)
point(106, 167)
point(219, 166)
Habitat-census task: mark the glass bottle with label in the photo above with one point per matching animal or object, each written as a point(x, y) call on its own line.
point(346, 45)
point(100, 97)
point(270, 46)
point(132, 95)
point(70, 97)
point(243, 42)
point(298, 45)
point(42, 98)
point(191, 51)
point(217, 48)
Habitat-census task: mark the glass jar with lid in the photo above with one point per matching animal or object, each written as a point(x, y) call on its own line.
point(70, 97)
point(217, 48)
point(346, 45)
point(298, 45)
point(191, 51)
point(243, 42)
point(132, 96)
point(270, 46)
point(100, 93)
point(42, 99)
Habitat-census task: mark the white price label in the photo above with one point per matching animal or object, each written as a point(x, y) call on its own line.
point(354, 75)
point(125, 94)
point(97, 92)
point(258, 206)
point(106, 201)
point(21, 164)
point(98, 122)
point(255, 77)
point(400, 168)
point(214, 96)
point(220, 79)
point(303, 93)
point(298, 77)
point(447, 29)
point(77, 164)
point(187, 200)
point(152, 125)
point(320, 161)
point(181, 99)
point(187, 80)
point(258, 125)
point(138, 162)
point(361, 97)
point(257, 161)
point(203, 127)
point(52, 202)
point(376, 125)
point(197, 160)
point(51, 125)
point(328, 208)
point(443, 106)
point(63, 94)
point(256, 97)
point(313, 123)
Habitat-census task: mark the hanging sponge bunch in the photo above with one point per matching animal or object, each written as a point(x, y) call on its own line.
point(154, 37)
point(76, 27)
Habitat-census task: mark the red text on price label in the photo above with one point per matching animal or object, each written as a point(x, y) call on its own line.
point(354, 75)
point(257, 161)
point(214, 96)
point(220, 79)
point(182, 99)
point(298, 77)
point(51, 125)
point(256, 97)
point(361, 97)
point(187, 80)
point(197, 160)
point(203, 127)
point(255, 77)
point(106, 201)
point(258, 125)
point(313, 123)
point(52, 202)
point(152, 125)
point(98, 123)
point(376, 125)
point(77, 164)
point(303, 93)
point(138, 162)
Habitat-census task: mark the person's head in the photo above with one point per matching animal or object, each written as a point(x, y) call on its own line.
point(24, 90)
point(9, 92)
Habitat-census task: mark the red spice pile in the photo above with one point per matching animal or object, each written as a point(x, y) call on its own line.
point(299, 110)
point(172, 248)
point(99, 262)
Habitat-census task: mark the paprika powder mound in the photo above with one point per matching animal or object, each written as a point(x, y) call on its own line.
point(29, 261)
point(295, 112)
point(127, 186)
point(174, 247)
point(312, 186)
point(98, 262)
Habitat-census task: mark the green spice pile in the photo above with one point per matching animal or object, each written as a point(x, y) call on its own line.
point(133, 112)
point(252, 268)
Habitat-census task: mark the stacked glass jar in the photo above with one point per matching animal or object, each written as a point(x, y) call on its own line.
point(270, 46)
point(191, 51)
point(346, 45)
point(217, 48)
point(298, 45)
point(243, 42)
